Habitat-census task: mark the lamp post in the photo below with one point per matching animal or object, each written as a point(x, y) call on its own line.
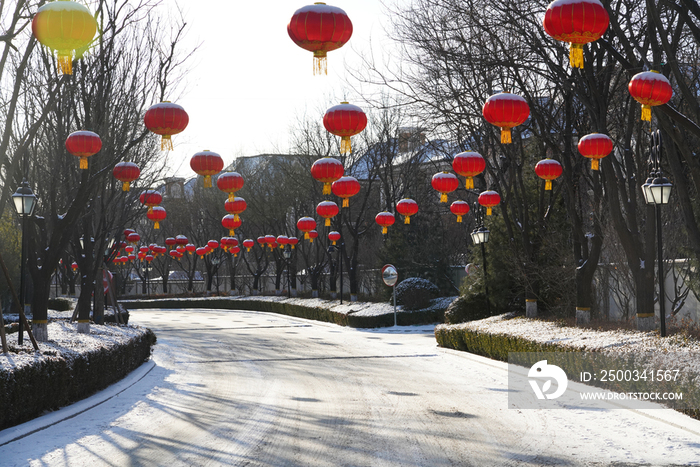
point(480, 236)
point(287, 253)
point(24, 201)
point(657, 192)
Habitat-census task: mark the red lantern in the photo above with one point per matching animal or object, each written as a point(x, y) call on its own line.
point(282, 240)
point(262, 240)
point(468, 164)
point(407, 207)
point(149, 258)
point(191, 248)
point(74, 266)
point(385, 220)
point(150, 198)
point(506, 110)
point(213, 244)
point(548, 170)
point(157, 214)
point(170, 242)
point(235, 206)
point(345, 120)
point(174, 254)
point(129, 248)
point(64, 26)
point(231, 223)
point(201, 251)
point(306, 225)
point(131, 257)
point(327, 170)
point(83, 144)
point(577, 22)
point(133, 238)
point(327, 210)
point(650, 88)
point(489, 199)
point(459, 208)
point(166, 119)
point(345, 188)
point(126, 172)
point(293, 241)
point(235, 250)
point(206, 164)
point(248, 243)
point(334, 236)
point(320, 28)
point(181, 240)
point(444, 182)
point(595, 147)
point(181, 249)
point(230, 182)
point(312, 234)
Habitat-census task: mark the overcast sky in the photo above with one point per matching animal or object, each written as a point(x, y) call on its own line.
point(249, 82)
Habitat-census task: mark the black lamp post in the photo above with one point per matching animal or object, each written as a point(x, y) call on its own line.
point(24, 201)
point(480, 236)
point(287, 253)
point(657, 192)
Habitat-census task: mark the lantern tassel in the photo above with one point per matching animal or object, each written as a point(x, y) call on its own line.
point(384, 230)
point(292, 247)
point(311, 240)
point(328, 222)
point(236, 218)
point(646, 113)
point(548, 185)
point(345, 146)
point(156, 225)
point(469, 184)
point(166, 143)
point(595, 164)
point(150, 209)
point(320, 63)
point(443, 198)
point(83, 163)
point(505, 136)
point(65, 63)
point(125, 186)
point(232, 197)
point(248, 249)
point(407, 220)
point(346, 203)
point(333, 242)
point(231, 233)
point(326, 188)
point(306, 235)
point(488, 211)
point(207, 181)
point(459, 219)
point(576, 55)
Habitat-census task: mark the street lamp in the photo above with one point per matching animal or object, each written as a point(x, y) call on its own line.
point(24, 201)
point(287, 253)
point(657, 192)
point(480, 236)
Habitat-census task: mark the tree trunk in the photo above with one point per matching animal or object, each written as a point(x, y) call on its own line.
point(83, 308)
point(42, 293)
point(98, 314)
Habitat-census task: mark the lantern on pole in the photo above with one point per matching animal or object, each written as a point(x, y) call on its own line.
point(506, 110)
point(320, 28)
point(468, 164)
point(650, 88)
point(459, 208)
point(489, 199)
point(548, 170)
point(65, 27)
point(595, 146)
point(327, 210)
point(577, 22)
point(166, 119)
point(150, 198)
point(407, 208)
point(306, 225)
point(230, 222)
point(206, 163)
point(345, 120)
point(230, 182)
point(83, 144)
point(385, 219)
point(126, 172)
point(345, 188)
point(235, 206)
point(156, 214)
point(327, 170)
point(444, 183)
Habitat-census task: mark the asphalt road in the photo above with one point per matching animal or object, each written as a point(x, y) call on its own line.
point(247, 388)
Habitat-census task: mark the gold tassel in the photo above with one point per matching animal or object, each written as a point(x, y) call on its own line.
point(459, 219)
point(150, 209)
point(505, 136)
point(345, 146)
point(346, 202)
point(65, 64)
point(469, 184)
point(207, 181)
point(232, 197)
point(443, 198)
point(488, 211)
point(384, 230)
point(407, 220)
point(236, 218)
point(281, 246)
point(576, 55)
point(328, 222)
point(231, 233)
point(595, 164)
point(292, 247)
point(646, 113)
point(125, 186)
point(548, 185)
point(166, 143)
point(311, 240)
point(326, 188)
point(333, 242)
point(320, 63)
point(306, 235)
point(156, 225)
point(83, 163)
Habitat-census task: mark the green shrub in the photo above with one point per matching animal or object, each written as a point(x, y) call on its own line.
point(60, 304)
point(468, 308)
point(415, 293)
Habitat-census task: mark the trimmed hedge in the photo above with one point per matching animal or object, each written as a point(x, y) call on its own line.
point(298, 311)
point(55, 381)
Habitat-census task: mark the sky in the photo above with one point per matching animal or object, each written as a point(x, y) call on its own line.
point(248, 82)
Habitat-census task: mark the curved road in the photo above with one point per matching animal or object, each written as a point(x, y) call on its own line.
point(247, 388)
